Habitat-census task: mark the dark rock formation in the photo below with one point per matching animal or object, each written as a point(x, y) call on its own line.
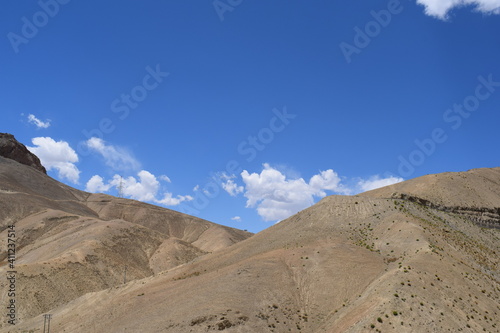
point(14, 150)
point(482, 216)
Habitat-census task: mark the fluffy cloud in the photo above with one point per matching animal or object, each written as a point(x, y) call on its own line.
point(277, 197)
point(144, 187)
point(96, 184)
point(328, 180)
point(230, 186)
point(57, 155)
point(376, 182)
point(441, 8)
point(236, 218)
point(37, 122)
point(115, 157)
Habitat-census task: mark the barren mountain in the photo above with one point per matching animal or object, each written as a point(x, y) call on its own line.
point(70, 243)
point(419, 256)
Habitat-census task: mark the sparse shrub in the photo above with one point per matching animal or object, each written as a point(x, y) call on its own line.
point(224, 324)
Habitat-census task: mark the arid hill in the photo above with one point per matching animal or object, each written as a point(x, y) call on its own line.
point(419, 256)
point(70, 243)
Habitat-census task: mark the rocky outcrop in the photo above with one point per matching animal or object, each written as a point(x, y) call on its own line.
point(482, 216)
point(12, 149)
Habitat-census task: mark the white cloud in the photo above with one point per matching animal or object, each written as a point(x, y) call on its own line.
point(96, 184)
point(230, 186)
point(169, 200)
point(37, 122)
point(377, 182)
point(144, 187)
point(57, 155)
point(277, 197)
point(115, 157)
point(236, 218)
point(328, 180)
point(196, 188)
point(441, 8)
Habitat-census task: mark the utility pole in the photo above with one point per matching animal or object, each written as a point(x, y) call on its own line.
point(120, 188)
point(46, 322)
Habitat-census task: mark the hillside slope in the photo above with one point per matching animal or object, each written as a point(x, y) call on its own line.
point(70, 243)
point(373, 262)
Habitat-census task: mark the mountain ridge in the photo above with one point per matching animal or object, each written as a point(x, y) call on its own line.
point(395, 259)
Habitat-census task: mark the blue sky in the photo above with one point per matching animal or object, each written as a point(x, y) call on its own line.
point(244, 112)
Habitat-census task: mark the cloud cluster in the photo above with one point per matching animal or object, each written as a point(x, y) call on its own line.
point(275, 197)
point(274, 194)
point(57, 155)
point(144, 187)
point(37, 122)
point(441, 8)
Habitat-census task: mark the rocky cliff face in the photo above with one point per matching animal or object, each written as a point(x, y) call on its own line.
point(14, 150)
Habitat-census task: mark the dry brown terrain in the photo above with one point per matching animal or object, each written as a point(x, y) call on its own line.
point(70, 243)
point(419, 256)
